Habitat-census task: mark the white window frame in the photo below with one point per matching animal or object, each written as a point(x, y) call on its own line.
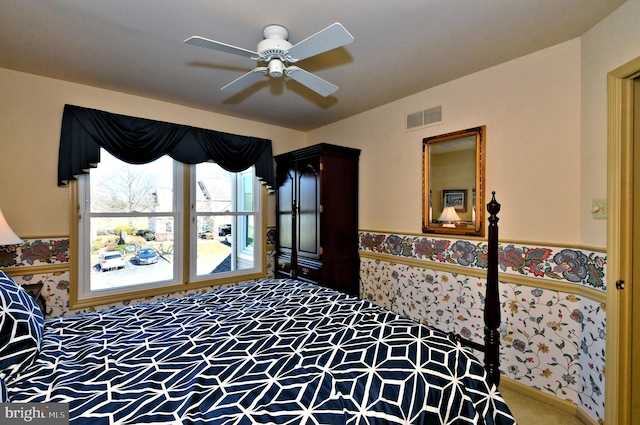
point(184, 277)
point(258, 251)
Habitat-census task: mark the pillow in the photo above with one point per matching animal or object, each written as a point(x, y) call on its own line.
point(21, 326)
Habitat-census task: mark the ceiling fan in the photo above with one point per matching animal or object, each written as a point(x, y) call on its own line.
point(278, 54)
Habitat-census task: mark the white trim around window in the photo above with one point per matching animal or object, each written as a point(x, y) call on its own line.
point(246, 237)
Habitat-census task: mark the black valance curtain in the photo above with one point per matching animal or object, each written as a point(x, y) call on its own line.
point(138, 141)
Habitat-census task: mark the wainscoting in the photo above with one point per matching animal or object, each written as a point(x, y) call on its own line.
point(553, 305)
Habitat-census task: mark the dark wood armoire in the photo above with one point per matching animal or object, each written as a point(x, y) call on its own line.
point(317, 216)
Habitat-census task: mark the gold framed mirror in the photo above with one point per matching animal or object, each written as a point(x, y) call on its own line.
point(453, 183)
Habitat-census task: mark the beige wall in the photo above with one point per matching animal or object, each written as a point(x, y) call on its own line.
point(610, 44)
point(31, 112)
point(531, 107)
point(546, 139)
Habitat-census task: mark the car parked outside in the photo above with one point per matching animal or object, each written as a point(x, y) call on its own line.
point(146, 256)
point(224, 230)
point(111, 260)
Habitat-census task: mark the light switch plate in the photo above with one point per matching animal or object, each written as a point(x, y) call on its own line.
point(599, 209)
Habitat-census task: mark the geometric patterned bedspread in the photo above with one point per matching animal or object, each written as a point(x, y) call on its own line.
point(269, 352)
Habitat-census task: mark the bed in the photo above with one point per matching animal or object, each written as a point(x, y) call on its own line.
point(267, 352)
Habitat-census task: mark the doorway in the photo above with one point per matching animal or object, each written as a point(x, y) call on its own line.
point(623, 239)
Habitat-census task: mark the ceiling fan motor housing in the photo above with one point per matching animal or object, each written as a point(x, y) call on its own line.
point(274, 45)
point(275, 31)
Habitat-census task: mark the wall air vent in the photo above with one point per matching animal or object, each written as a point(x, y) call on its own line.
point(425, 118)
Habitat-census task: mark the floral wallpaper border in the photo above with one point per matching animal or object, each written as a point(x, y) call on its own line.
point(28, 263)
point(576, 266)
point(35, 252)
point(48, 251)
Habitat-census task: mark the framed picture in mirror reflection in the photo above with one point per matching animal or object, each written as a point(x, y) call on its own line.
point(456, 198)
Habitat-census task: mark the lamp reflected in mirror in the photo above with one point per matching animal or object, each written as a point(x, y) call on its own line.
point(449, 217)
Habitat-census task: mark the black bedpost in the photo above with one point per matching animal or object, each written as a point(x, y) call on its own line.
point(492, 302)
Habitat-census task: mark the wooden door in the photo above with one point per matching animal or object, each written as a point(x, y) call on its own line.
point(285, 208)
point(308, 200)
point(634, 285)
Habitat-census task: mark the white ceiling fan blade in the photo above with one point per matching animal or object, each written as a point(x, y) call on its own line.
point(222, 47)
point(246, 80)
point(330, 38)
point(315, 83)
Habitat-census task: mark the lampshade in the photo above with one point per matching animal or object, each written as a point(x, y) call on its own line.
point(448, 215)
point(7, 237)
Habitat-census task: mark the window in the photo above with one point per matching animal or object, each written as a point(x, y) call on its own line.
point(176, 226)
point(225, 221)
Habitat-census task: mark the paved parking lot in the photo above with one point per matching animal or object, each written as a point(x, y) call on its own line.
point(131, 274)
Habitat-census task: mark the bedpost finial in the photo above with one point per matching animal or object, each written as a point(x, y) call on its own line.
point(493, 207)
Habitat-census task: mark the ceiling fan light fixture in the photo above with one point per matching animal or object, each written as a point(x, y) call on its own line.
point(276, 68)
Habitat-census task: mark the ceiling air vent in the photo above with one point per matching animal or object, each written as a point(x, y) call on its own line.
point(425, 118)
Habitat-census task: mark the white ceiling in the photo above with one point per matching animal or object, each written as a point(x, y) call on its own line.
point(401, 47)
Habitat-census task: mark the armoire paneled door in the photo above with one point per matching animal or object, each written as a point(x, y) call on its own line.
point(317, 216)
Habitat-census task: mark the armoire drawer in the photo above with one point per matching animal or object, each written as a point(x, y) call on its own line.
point(309, 271)
point(283, 266)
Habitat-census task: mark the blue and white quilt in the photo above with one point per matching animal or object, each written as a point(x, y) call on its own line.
point(270, 352)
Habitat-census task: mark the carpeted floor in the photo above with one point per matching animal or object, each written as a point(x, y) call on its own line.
point(528, 411)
